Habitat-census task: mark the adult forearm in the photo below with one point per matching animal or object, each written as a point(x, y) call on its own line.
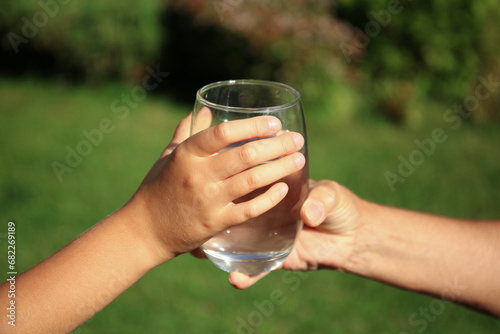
point(448, 258)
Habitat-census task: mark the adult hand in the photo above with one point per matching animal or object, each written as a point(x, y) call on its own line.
point(331, 214)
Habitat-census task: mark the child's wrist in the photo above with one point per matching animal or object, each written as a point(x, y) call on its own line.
point(136, 218)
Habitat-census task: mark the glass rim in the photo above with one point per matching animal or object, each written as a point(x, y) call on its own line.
point(286, 105)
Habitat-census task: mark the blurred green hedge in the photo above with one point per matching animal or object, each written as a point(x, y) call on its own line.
point(387, 52)
point(99, 39)
point(434, 49)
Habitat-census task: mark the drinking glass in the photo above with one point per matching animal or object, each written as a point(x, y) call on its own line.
point(260, 244)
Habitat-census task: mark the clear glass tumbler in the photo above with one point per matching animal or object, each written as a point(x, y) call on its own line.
point(260, 244)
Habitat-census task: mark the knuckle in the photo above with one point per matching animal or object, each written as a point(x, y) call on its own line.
point(260, 127)
point(187, 181)
point(200, 201)
point(287, 143)
point(253, 180)
point(178, 153)
point(328, 197)
point(328, 188)
point(248, 153)
point(222, 131)
point(327, 183)
point(249, 211)
point(232, 167)
point(274, 200)
point(212, 190)
point(326, 193)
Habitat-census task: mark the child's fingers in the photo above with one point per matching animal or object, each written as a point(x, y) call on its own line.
point(241, 212)
point(181, 133)
point(203, 120)
point(256, 152)
point(214, 139)
point(261, 176)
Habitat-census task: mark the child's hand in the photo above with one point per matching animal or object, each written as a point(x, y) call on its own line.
point(187, 197)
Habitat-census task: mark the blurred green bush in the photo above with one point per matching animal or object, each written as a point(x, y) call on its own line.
point(390, 51)
point(432, 49)
point(383, 53)
point(98, 39)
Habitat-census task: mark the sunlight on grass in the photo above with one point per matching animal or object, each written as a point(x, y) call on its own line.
point(188, 295)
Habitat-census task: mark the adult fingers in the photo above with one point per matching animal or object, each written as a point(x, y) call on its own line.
point(214, 139)
point(331, 207)
point(241, 281)
point(319, 202)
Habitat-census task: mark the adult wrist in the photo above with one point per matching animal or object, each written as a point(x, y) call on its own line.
point(366, 241)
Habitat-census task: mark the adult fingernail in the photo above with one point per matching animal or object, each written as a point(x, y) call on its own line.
point(314, 211)
point(274, 123)
point(236, 279)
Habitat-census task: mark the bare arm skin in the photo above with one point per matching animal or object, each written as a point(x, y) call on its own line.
point(449, 258)
point(186, 198)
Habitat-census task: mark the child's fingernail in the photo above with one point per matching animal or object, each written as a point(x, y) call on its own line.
point(299, 160)
point(297, 138)
point(314, 211)
point(284, 189)
point(274, 123)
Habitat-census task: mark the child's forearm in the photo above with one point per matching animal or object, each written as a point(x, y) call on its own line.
point(68, 288)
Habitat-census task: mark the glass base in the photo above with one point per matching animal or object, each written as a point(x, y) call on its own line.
point(247, 263)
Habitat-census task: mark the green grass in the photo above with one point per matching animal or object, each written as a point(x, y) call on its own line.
point(188, 295)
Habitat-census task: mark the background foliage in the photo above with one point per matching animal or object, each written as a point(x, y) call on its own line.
point(90, 40)
point(389, 52)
